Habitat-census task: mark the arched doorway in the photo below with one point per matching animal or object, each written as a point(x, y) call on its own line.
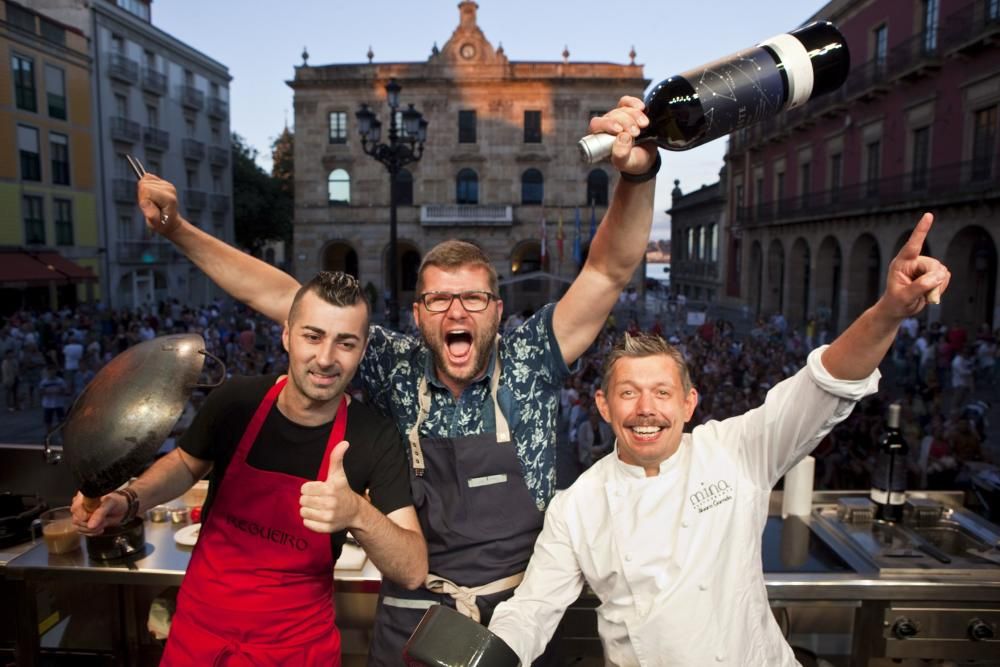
point(340, 256)
point(774, 295)
point(864, 275)
point(799, 270)
point(971, 299)
point(408, 263)
point(829, 260)
point(756, 276)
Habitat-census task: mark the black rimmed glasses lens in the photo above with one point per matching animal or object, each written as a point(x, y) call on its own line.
point(473, 301)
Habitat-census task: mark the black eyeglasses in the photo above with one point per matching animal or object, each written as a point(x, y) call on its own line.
point(473, 301)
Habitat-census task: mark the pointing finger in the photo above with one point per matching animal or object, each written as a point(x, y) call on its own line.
point(916, 241)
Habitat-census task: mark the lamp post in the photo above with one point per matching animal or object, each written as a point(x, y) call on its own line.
point(406, 145)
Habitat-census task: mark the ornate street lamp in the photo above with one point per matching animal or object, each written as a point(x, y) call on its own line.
point(406, 145)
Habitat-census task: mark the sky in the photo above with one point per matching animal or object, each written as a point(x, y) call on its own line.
point(261, 41)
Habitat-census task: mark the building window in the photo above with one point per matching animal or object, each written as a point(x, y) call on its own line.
point(118, 44)
point(805, 181)
point(881, 35)
point(404, 188)
point(532, 127)
point(992, 10)
point(338, 127)
point(24, 81)
point(191, 125)
point(52, 32)
point(149, 60)
point(191, 176)
point(689, 252)
point(20, 18)
point(152, 116)
point(759, 195)
point(984, 141)
point(34, 220)
point(121, 106)
point(836, 175)
point(713, 243)
point(467, 187)
point(930, 26)
point(467, 126)
point(339, 187)
point(921, 157)
point(597, 187)
point(55, 91)
point(31, 159)
point(873, 158)
point(779, 187)
point(532, 187)
point(63, 221)
point(126, 228)
point(216, 131)
point(59, 153)
point(700, 243)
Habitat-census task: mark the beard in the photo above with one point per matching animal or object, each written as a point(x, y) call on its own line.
point(320, 394)
point(481, 341)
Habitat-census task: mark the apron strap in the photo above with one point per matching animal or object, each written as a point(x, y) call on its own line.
point(424, 408)
point(465, 597)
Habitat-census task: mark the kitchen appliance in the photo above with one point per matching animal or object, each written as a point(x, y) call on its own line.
point(445, 638)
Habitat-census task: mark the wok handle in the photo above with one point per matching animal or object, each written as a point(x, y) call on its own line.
point(218, 361)
point(91, 504)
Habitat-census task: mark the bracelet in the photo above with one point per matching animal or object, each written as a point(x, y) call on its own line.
point(132, 498)
point(642, 178)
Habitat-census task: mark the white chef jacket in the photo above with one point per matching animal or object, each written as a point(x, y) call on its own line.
point(675, 559)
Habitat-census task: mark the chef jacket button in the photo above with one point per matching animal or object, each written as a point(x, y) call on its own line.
point(628, 557)
point(703, 587)
point(684, 523)
point(720, 658)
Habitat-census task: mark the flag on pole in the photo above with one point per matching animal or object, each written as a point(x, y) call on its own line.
point(545, 252)
point(559, 239)
point(577, 249)
point(593, 221)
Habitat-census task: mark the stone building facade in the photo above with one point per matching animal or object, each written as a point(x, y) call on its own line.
point(500, 156)
point(822, 197)
point(697, 222)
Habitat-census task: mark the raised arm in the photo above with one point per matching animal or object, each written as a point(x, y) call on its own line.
point(620, 242)
point(857, 352)
point(245, 278)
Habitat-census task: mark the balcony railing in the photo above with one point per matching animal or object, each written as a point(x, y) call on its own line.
point(195, 199)
point(192, 98)
point(916, 55)
point(123, 190)
point(218, 156)
point(156, 139)
point(972, 27)
point(123, 69)
point(457, 215)
point(219, 203)
point(150, 251)
point(154, 82)
point(218, 108)
point(965, 180)
point(193, 149)
point(123, 129)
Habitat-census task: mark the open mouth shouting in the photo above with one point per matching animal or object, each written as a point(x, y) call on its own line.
point(458, 345)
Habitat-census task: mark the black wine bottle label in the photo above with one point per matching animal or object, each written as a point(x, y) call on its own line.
point(738, 91)
point(889, 479)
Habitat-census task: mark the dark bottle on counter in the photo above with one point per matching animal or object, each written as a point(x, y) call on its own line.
point(749, 86)
point(889, 474)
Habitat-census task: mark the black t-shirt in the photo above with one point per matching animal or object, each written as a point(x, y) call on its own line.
point(376, 460)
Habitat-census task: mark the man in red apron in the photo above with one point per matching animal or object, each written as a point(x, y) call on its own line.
point(259, 588)
point(479, 410)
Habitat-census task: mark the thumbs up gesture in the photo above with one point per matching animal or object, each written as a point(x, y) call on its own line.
point(330, 505)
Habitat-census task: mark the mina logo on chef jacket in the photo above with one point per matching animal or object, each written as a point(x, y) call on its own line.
point(711, 495)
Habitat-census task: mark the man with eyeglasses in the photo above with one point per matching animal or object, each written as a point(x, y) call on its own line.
point(478, 409)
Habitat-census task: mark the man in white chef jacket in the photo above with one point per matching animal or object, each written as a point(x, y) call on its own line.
point(667, 531)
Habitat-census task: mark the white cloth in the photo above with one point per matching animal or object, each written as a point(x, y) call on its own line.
point(72, 353)
point(675, 559)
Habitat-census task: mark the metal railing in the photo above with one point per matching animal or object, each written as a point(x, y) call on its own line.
point(454, 215)
point(192, 149)
point(218, 108)
point(156, 139)
point(123, 129)
point(150, 251)
point(195, 200)
point(192, 98)
point(122, 68)
point(154, 82)
point(964, 180)
point(218, 156)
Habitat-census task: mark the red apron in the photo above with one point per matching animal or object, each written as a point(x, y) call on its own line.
point(259, 588)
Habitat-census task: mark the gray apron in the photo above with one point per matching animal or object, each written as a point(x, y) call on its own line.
point(480, 522)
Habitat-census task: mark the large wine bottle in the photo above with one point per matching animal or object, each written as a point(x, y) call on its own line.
point(714, 100)
point(888, 490)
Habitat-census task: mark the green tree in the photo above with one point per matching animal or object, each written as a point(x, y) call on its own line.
point(261, 211)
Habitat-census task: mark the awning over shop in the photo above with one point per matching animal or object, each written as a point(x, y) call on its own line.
point(19, 267)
